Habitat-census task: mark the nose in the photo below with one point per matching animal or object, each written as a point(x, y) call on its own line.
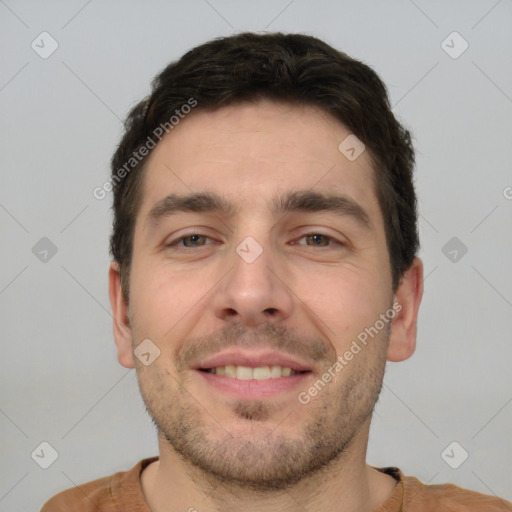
point(253, 292)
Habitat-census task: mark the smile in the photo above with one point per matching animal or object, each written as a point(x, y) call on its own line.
point(248, 373)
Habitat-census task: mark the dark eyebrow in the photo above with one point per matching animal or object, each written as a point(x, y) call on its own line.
point(204, 202)
point(310, 201)
point(296, 201)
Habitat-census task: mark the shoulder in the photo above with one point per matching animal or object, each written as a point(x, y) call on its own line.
point(98, 495)
point(85, 497)
point(449, 498)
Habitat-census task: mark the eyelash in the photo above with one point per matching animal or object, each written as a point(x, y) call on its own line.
point(332, 240)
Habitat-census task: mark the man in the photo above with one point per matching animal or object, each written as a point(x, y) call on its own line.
point(264, 269)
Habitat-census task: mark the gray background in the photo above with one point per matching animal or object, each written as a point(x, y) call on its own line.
point(61, 119)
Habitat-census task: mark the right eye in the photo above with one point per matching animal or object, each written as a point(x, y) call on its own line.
point(189, 241)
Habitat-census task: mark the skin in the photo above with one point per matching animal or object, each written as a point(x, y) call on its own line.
point(300, 295)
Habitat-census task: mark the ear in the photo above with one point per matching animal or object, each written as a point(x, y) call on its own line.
point(403, 333)
point(122, 329)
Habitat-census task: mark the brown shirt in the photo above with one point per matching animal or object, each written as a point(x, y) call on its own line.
point(122, 492)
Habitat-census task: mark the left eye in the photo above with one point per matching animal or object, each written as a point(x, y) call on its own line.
point(319, 240)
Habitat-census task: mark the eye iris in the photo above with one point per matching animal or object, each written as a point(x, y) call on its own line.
point(193, 238)
point(317, 237)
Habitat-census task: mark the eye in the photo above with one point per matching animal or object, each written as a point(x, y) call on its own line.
point(189, 241)
point(196, 240)
point(319, 240)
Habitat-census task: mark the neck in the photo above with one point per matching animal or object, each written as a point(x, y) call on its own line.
point(348, 484)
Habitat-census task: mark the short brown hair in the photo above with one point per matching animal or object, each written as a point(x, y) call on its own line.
point(293, 68)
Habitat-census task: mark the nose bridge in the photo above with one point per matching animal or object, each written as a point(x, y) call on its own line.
point(252, 260)
point(251, 293)
point(253, 251)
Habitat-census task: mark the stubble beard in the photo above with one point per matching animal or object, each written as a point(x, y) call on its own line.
point(257, 456)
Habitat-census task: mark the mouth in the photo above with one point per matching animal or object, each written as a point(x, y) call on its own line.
point(248, 373)
point(253, 376)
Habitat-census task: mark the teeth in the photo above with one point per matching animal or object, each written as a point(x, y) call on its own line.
point(286, 372)
point(248, 373)
point(260, 373)
point(230, 371)
point(243, 373)
point(275, 372)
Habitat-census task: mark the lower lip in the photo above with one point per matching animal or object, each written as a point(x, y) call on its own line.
point(254, 388)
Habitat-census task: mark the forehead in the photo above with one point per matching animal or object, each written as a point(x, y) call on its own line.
point(250, 153)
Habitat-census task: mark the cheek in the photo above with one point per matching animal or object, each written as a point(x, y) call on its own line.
point(345, 302)
point(161, 297)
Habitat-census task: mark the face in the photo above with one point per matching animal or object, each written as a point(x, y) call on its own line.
point(260, 270)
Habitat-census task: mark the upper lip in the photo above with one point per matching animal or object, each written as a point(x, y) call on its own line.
point(254, 359)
